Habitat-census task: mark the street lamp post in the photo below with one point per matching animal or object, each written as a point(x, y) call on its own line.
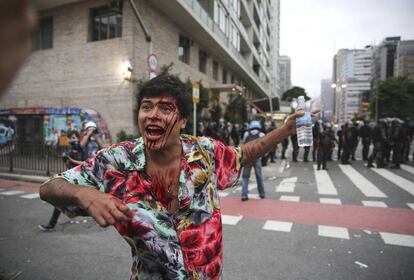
point(338, 89)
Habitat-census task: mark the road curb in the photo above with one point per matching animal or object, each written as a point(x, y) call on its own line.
point(23, 177)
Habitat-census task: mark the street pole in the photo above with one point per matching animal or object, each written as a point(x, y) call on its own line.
point(376, 107)
point(195, 119)
point(147, 34)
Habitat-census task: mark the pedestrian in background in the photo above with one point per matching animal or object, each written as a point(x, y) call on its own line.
point(90, 141)
point(253, 133)
point(325, 141)
point(365, 132)
point(71, 158)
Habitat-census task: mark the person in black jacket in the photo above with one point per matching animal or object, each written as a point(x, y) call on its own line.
point(379, 137)
point(71, 158)
point(365, 133)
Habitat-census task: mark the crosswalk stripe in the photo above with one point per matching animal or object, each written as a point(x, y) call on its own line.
point(362, 183)
point(397, 239)
point(335, 232)
point(330, 200)
point(230, 220)
point(411, 205)
point(289, 198)
point(222, 194)
point(371, 203)
point(11, 192)
point(403, 183)
point(324, 182)
point(407, 168)
point(278, 226)
point(287, 185)
point(249, 187)
point(30, 196)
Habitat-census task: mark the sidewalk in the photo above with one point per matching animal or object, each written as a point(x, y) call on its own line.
point(23, 177)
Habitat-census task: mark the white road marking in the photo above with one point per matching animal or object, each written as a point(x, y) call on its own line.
point(362, 183)
point(407, 168)
point(371, 203)
point(287, 185)
point(411, 205)
point(278, 226)
point(230, 220)
point(11, 192)
point(30, 195)
point(403, 183)
point(397, 239)
point(249, 187)
point(330, 200)
point(324, 182)
point(222, 194)
point(289, 198)
point(334, 232)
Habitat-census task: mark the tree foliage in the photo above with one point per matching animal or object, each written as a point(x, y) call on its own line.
point(294, 92)
point(236, 111)
point(395, 98)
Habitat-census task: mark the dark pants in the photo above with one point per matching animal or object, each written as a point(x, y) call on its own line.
point(397, 154)
point(295, 152)
point(323, 153)
point(346, 153)
point(306, 153)
point(340, 146)
point(55, 217)
point(365, 148)
point(377, 154)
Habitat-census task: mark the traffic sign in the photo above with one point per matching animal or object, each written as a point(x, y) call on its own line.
point(196, 92)
point(152, 62)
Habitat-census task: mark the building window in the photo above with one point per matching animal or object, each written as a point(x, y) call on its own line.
point(202, 61)
point(43, 38)
point(224, 76)
point(220, 17)
point(215, 70)
point(235, 36)
point(106, 22)
point(184, 49)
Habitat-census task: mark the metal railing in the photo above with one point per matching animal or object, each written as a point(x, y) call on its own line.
point(35, 159)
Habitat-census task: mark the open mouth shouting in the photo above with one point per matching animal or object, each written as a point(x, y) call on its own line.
point(154, 133)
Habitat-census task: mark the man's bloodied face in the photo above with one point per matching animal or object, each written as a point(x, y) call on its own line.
point(159, 122)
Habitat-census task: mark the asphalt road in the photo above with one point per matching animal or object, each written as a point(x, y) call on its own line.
point(292, 234)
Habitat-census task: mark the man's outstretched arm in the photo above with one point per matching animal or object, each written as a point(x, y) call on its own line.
point(259, 147)
point(104, 208)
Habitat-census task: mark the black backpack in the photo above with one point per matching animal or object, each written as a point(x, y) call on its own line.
point(251, 137)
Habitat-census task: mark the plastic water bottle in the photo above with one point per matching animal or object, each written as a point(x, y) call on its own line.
point(304, 125)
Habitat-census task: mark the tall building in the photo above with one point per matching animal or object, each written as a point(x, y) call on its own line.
point(89, 56)
point(352, 76)
point(327, 100)
point(275, 46)
point(384, 60)
point(404, 59)
point(284, 73)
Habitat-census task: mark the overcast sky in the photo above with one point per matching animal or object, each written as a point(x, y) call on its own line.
point(311, 31)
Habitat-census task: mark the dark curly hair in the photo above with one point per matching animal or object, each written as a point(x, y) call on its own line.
point(167, 84)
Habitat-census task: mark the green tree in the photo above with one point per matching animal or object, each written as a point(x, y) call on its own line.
point(216, 113)
point(294, 92)
point(395, 98)
point(236, 111)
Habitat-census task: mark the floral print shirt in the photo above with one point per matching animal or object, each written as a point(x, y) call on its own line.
point(186, 244)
